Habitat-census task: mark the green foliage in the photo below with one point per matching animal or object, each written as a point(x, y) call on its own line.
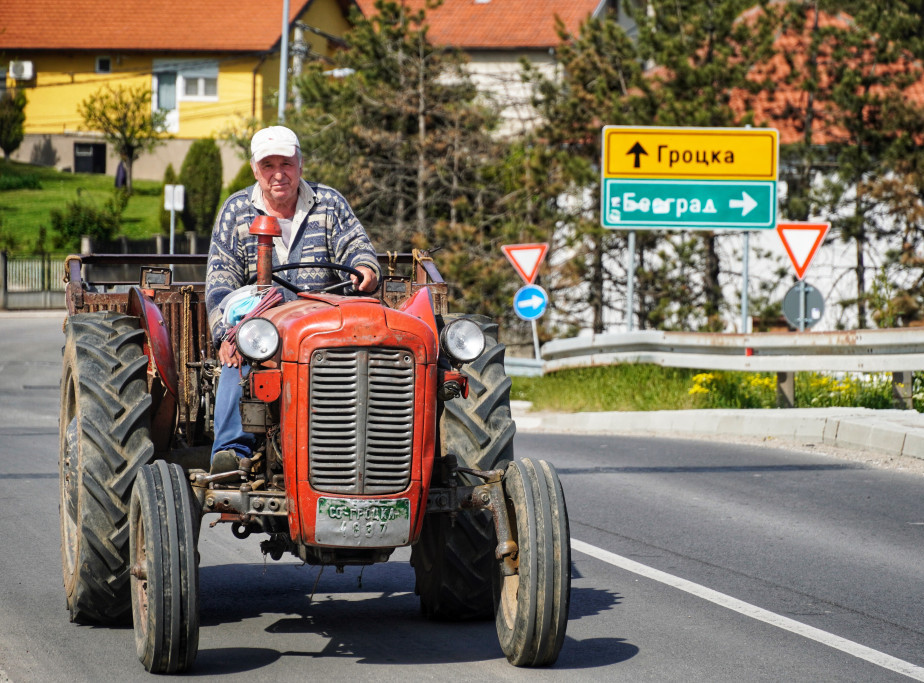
point(701, 53)
point(200, 174)
point(734, 390)
point(170, 178)
point(125, 118)
point(8, 240)
point(244, 178)
point(854, 72)
point(651, 387)
point(12, 121)
point(618, 387)
point(29, 210)
point(239, 133)
point(401, 132)
point(19, 182)
point(82, 218)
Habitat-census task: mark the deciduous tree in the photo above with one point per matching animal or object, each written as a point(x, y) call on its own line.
point(124, 116)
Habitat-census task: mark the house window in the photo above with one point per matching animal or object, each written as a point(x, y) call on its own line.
point(166, 90)
point(104, 65)
point(200, 81)
point(199, 87)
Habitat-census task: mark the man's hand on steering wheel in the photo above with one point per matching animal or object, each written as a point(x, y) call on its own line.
point(363, 278)
point(369, 281)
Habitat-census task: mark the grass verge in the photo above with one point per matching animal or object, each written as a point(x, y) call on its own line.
point(26, 210)
point(651, 387)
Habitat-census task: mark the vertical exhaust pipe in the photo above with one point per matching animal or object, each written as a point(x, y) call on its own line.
point(266, 228)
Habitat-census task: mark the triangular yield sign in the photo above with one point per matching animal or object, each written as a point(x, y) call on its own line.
point(526, 258)
point(801, 241)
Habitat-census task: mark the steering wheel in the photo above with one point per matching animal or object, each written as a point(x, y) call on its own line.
point(311, 264)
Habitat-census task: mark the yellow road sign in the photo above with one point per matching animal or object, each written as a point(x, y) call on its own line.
point(690, 153)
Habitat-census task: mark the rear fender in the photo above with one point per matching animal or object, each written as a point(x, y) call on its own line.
point(161, 367)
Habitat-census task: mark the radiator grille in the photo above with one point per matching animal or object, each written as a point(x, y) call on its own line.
point(360, 435)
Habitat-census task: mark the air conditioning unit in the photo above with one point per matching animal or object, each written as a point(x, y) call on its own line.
point(21, 71)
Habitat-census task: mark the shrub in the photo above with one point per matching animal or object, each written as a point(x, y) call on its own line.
point(81, 218)
point(12, 121)
point(19, 182)
point(244, 178)
point(201, 176)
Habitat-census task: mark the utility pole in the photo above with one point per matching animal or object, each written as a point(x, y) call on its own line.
point(284, 63)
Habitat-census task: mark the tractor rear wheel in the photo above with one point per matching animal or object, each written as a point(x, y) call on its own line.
point(454, 559)
point(163, 524)
point(105, 439)
point(532, 603)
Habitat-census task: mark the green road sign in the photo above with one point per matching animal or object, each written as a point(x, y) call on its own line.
point(689, 204)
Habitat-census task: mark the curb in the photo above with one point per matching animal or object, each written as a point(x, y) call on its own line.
point(890, 432)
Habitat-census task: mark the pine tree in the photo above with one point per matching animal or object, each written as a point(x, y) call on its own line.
point(697, 53)
point(859, 129)
point(200, 175)
point(397, 128)
point(702, 53)
point(600, 81)
point(12, 121)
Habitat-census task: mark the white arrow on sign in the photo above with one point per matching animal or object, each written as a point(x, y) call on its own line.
point(746, 204)
point(532, 302)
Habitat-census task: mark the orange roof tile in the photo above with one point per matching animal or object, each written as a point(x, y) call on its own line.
point(133, 25)
point(499, 24)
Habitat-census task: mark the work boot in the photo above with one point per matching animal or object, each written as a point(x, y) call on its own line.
point(225, 461)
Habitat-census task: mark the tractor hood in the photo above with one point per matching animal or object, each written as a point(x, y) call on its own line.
point(354, 321)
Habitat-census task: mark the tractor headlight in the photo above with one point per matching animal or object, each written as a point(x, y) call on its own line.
point(462, 340)
point(257, 339)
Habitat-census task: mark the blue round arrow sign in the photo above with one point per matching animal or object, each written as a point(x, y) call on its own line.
point(530, 302)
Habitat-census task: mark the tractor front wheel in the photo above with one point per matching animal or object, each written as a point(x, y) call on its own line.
point(165, 571)
point(454, 558)
point(531, 604)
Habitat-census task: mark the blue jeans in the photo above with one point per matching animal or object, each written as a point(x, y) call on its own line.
point(229, 434)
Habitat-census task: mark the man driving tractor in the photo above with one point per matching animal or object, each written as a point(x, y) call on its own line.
point(317, 224)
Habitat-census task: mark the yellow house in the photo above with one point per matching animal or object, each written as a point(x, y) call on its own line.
point(209, 64)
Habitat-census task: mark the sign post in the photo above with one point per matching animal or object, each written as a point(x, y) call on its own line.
point(666, 178)
point(173, 202)
point(801, 241)
point(530, 301)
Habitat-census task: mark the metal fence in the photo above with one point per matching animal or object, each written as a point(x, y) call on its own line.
point(31, 282)
point(35, 274)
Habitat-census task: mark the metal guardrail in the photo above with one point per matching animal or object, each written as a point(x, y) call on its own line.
point(890, 350)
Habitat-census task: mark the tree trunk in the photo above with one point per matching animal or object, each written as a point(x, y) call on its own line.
point(128, 175)
point(860, 240)
point(596, 286)
point(711, 287)
point(421, 145)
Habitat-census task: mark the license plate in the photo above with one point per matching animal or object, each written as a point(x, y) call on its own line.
point(363, 523)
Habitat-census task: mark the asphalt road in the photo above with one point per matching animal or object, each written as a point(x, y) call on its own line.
point(693, 562)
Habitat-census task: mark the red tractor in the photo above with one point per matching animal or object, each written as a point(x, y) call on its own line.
point(382, 421)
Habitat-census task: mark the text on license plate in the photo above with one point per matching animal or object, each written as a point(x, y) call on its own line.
point(363, 523)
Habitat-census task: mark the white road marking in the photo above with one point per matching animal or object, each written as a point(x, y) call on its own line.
point(855, 649)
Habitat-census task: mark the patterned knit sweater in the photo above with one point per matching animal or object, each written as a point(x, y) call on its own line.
point(324, 229)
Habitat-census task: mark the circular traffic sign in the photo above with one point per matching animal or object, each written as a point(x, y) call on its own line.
point(530, 302)
point(814, 305)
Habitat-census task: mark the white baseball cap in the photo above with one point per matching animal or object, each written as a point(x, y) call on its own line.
point(274, 140)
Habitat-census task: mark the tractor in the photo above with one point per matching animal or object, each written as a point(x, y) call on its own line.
point(382, 421)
